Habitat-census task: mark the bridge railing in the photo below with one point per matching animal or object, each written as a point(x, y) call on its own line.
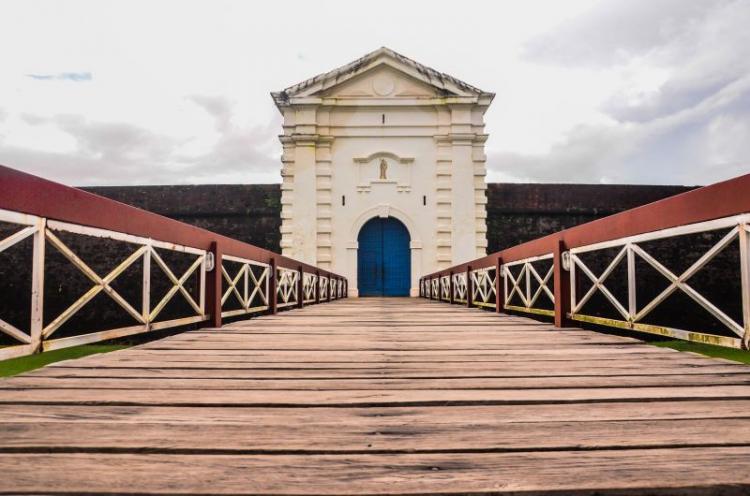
point(678, 267)
point(162, 274)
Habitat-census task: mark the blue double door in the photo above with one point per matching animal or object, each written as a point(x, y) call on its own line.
point(383, 258)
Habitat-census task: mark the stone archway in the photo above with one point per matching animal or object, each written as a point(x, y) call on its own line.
point(415, 245)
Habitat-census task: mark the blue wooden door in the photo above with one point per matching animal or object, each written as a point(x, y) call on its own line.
point(384, 258)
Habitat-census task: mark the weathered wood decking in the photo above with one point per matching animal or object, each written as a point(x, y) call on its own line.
point(376, 396)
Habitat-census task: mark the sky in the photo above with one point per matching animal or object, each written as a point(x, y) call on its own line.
point(129, 92)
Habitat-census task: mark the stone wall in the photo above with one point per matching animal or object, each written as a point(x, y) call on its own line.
point(250, 213)
point(515, 212)
point(521, 212)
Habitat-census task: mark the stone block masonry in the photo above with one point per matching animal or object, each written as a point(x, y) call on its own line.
point(515, 212)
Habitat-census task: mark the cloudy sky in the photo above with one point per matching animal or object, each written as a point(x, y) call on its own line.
point(158, 92)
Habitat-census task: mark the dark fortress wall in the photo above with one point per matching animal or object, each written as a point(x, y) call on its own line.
point(250, 213)
point(515, 212)
point(521, 212)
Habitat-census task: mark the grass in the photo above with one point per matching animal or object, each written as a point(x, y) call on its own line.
point(19, 365)
point(733, 354)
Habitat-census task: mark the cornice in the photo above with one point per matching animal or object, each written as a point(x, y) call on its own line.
point(306, 139)
point(461, 138)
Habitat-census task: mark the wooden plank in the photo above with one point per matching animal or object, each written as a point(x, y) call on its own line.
point(615, 471)
point(382, 417)
point(373, 397)
point(378, 383)
point(385, 360)
point(331, 435)
point(397, 370)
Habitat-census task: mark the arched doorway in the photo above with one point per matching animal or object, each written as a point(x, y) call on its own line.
point(383, 258)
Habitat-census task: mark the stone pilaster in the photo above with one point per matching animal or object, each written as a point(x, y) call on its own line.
point(463, 205)
point(323, 185)
point(287, 197)
point(443, 204)
point(480, 193)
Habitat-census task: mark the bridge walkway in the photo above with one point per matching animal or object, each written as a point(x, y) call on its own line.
point(380, 396)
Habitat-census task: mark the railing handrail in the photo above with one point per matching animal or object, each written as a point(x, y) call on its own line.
point(33, 195)
point(711, 202)
point(725, 205)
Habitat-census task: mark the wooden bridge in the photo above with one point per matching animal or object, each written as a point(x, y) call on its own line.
point(380, 396)
point(414, 396)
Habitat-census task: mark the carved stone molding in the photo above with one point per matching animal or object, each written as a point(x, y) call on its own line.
point(382, 169)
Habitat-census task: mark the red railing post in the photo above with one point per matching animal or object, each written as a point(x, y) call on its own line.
point(300, 287)
point(317, 286)
point(499, 294)
point(469, 288)
point(273, 293)
point(213, 288)
point(451, 298)
point(562, 286)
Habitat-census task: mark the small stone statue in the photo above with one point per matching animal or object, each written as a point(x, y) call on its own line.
point(383, 169)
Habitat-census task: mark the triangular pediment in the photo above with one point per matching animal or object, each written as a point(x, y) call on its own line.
point(382, 81)
point(380, 74)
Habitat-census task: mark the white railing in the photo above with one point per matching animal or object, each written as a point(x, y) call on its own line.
point(324, 283)
point(435, 289)
point(334, 289)
point(252, 295)
point(521, 286)
point(632, 314)
point(483, 293)
point(445, 288)
point(309, 285)
point(460, 291)
point(287, 283)
point(43, 231)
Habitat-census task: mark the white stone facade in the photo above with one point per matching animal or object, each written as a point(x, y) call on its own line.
point(383, 136)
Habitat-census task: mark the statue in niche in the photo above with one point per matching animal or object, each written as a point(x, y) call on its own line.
point(383, 169)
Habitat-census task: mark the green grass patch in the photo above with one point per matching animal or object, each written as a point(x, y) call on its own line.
point(733, 354)
point(19, 365)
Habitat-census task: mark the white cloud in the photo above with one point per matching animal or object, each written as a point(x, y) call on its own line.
point(679, 91)
point(178, 91)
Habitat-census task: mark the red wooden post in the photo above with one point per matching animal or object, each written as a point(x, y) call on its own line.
point(300, 287)
point(499, 294)
point(317, 286)
point(272, 292)
point(452, 298)
point(562, 286)
point(213, 288)
point(469, 289)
